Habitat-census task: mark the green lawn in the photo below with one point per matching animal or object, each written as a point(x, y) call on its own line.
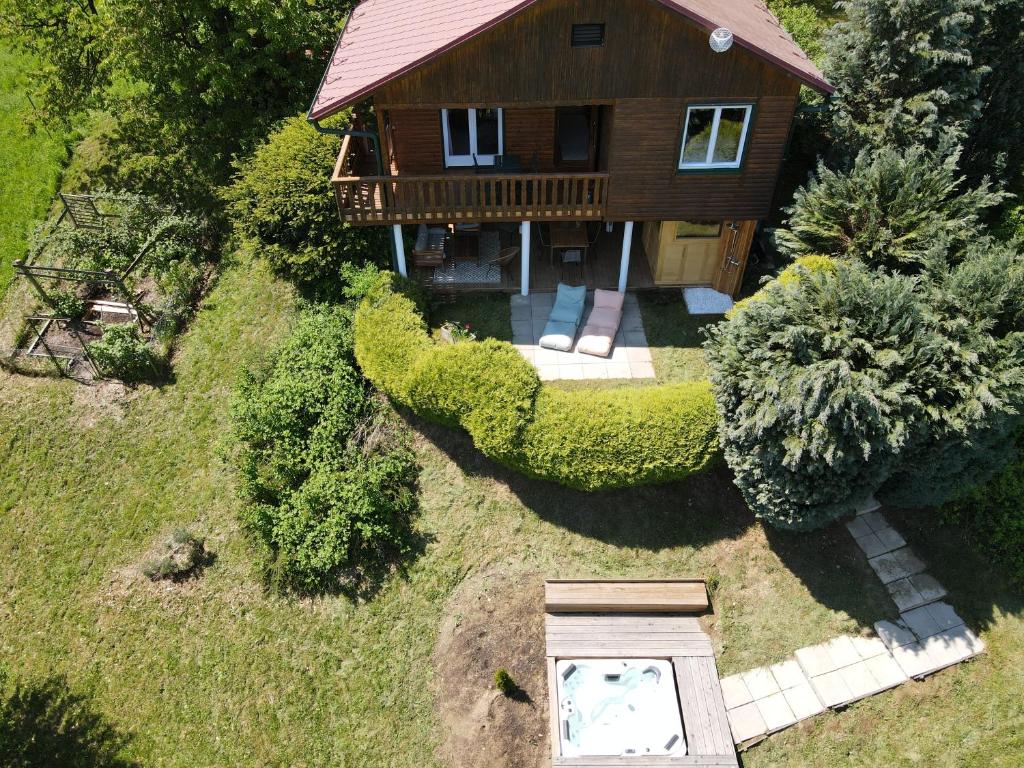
point(30, 164)
point(217, 672)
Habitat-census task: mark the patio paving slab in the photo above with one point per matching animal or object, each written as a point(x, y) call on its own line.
point(914, 660)
point(832, 689)
point(944, 615)
point(859, 680)
point(760, 682)
point(905, 595)
point(803, 701)
point(858, 527)
point(893, 634)
point(898, 564)
point(890, 539)
point(876, 521)
point(815, 660)
point(788, 674)
point(870, 504)
point(746, 722)
point(929, 587)
point(842, 651)
point(886, 671)
point(921, 622)
point(735, 692)
point(776, 712)
point(869, 647)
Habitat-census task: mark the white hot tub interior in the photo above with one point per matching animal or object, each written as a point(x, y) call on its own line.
point(618, 707)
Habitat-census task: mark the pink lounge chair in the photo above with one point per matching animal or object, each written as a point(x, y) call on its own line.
point(598, 335)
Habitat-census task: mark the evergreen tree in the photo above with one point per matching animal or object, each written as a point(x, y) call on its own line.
point(820, 385)
point(892, 209)
point(904, 72)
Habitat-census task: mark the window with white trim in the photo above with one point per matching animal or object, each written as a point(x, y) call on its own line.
point(472, 136)
point(714, 136)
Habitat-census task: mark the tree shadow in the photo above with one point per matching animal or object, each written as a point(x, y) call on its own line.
point(695, 512)
point(980, 590)
point(45, 723)
point(699, 510)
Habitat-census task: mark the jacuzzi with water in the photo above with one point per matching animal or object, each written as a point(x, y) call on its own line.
point(618, 707)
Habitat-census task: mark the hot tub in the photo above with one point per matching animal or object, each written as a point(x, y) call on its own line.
point(618, 707)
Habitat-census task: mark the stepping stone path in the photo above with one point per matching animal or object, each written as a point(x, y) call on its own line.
point(927, 636)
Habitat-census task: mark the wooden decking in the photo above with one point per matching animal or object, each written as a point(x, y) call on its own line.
point(622, 633)
point(599, 270)
point(641, 596)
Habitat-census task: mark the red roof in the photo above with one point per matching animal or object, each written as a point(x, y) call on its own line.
point(384, 39)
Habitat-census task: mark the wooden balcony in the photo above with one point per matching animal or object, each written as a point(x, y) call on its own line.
point(374, 199)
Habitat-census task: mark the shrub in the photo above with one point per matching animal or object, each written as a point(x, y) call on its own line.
point(815, 384)
point(503, 682)
point(66, 304)
point(183, 553)
point(992, 518)
point(789, 276)
point(327, 475)
point(893, 210)
point(587, 440)
point(284, 207)
point(122, 353)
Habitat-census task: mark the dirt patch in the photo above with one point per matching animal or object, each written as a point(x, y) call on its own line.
point(494, 621)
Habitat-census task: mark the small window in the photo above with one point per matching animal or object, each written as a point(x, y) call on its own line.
point(472, 136)
point(685, 229)
point(714, 137)
point(587, 35)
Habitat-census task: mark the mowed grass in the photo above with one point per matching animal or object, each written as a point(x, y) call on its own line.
point(30, 163)
point(218, 672)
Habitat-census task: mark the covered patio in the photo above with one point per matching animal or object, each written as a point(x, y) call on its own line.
point(466, 261)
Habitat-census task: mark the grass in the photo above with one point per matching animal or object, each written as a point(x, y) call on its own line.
point(489, 315)
point(30, 163)
point(217, 672)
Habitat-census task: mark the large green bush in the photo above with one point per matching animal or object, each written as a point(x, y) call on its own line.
point(124, 354)
point(585, 439)
point(328, 477)
point(284, 207)
point(891, 209)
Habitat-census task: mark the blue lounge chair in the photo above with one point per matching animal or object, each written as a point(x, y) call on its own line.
point(560, 331)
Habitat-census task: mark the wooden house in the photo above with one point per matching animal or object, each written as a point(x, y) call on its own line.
point(627, 137)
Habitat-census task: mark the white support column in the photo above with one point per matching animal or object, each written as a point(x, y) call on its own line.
point(627, 242)
point(524, 256)
point(400, 250)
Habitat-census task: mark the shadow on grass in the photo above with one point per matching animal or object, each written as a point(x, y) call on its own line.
point(979, 589)
point(696, 512)
point(45, 723)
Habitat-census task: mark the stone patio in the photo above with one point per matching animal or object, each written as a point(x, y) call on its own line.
point(630, 357)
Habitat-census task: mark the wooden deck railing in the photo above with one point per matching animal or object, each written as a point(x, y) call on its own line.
point(472, 197)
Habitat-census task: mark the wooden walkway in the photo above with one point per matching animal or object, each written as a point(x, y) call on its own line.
point(641, 619)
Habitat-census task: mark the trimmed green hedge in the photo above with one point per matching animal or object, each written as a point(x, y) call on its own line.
point(585, 439)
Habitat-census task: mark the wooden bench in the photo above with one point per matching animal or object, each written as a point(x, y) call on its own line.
point(639, 596)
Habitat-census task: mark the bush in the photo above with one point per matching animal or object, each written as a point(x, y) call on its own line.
point(66, 304)
point(503, 682)
point(590, 440)
point(283, 206)
point(123, 354)
point(992, 518)
point(327, 474)
point(183, 553)
point(893, 210)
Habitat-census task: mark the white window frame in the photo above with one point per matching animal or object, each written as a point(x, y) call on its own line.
point(455, 161)
point(708, 163)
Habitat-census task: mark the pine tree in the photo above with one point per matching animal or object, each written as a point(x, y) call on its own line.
point(904, 72)
point(892, 209)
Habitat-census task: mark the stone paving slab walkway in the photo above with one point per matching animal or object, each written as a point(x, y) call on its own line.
point(928, 636)
point(630, 357)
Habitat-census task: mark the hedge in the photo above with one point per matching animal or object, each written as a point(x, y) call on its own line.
point(584, 439)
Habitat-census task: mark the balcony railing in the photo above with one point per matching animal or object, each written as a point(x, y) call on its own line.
point(473, 197)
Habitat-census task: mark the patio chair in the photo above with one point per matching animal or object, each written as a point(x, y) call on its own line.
point(560, 331)
point(505, 256)
point(598, 334)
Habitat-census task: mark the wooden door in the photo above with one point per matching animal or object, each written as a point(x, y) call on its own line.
point(732, 260)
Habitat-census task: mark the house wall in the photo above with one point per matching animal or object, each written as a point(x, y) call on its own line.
point(652, 65)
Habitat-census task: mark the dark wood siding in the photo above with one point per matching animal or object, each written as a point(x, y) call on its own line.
point(646, 185)
point(530, 133)
point(649, 51)
point(416, 139)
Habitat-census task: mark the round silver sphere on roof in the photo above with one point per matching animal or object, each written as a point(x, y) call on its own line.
point(720, 40)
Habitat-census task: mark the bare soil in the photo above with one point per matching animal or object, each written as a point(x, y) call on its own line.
point(494, 621)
